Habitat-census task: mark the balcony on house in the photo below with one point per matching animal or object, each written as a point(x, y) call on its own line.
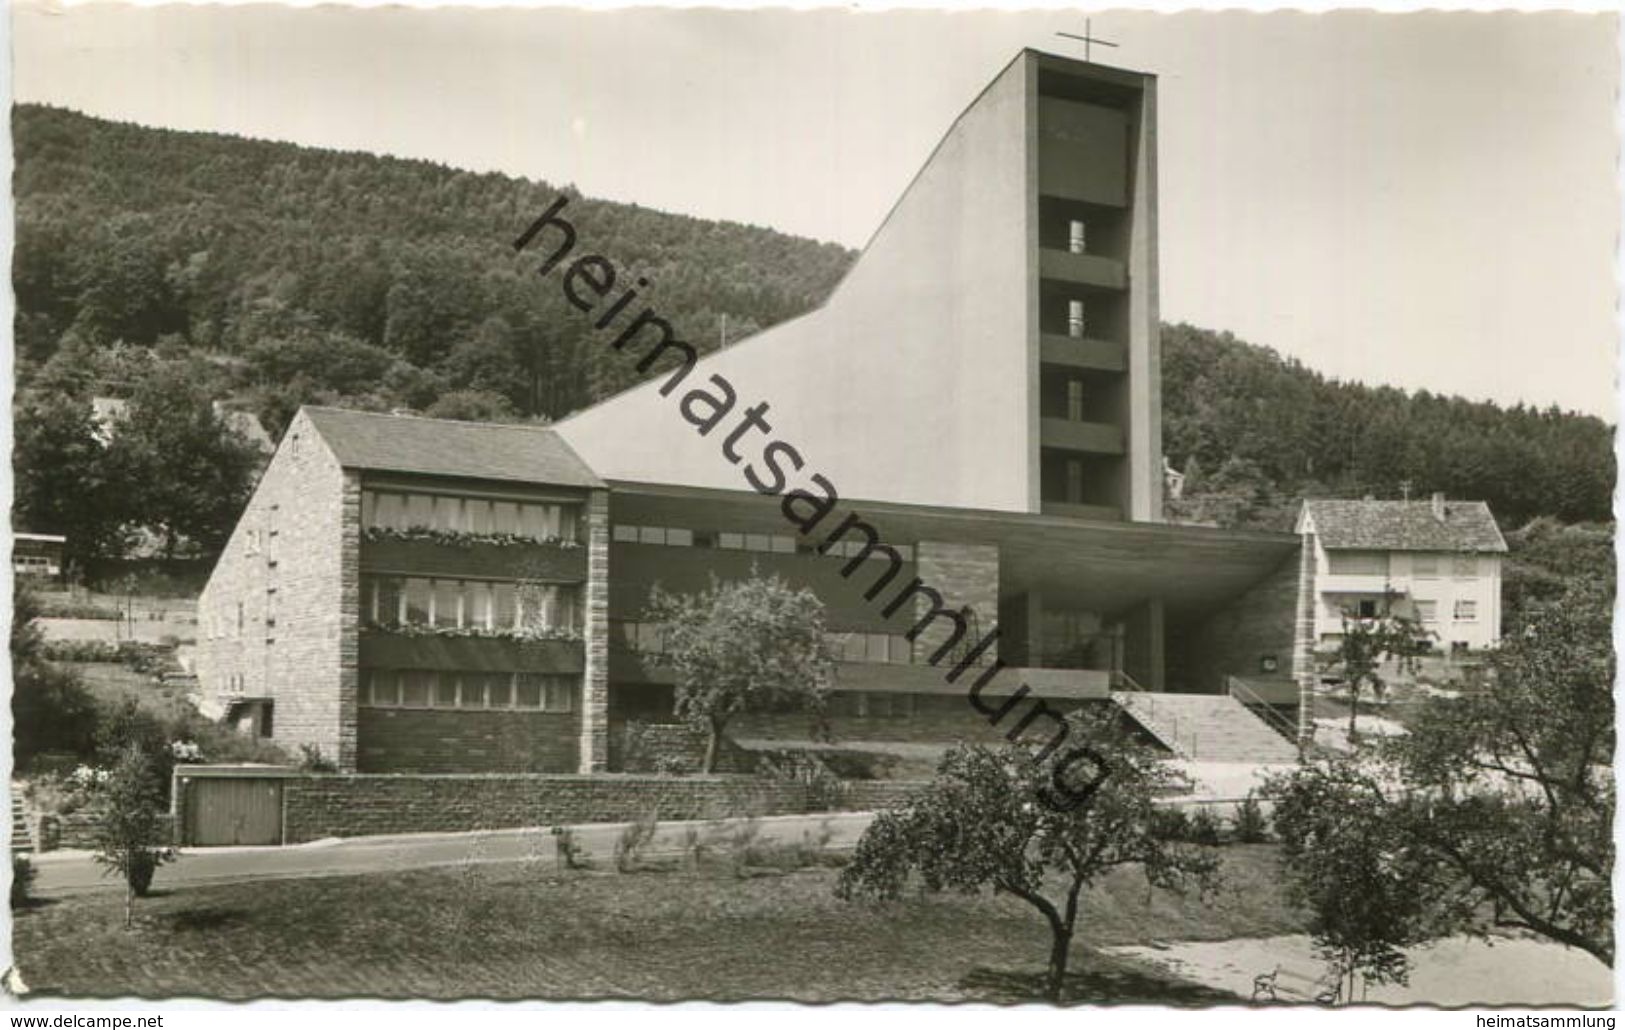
point(431, 533)
point(421, 622)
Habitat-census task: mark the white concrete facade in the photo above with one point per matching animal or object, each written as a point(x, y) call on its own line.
point(1457, 595)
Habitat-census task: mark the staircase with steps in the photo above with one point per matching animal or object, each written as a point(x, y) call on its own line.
point(1207, 727)
point(21, 840)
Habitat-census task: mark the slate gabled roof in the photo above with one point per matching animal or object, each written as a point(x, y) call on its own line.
point(441, 447)
point(1404, 526)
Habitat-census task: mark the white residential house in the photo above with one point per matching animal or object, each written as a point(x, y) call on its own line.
point(1441, 558)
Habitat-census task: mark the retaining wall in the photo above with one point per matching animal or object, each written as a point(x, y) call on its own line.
point(317, 806)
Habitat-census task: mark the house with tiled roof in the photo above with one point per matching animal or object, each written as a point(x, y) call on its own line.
point(1438, 559)
point(408, 593)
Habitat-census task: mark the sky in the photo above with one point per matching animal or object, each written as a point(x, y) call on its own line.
point(1424, 200)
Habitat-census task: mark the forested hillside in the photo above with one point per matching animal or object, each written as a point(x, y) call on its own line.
point(349, 276)
point(271, 275)
point(1254, 431)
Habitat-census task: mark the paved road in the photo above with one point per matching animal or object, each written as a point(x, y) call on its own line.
point(71, 872)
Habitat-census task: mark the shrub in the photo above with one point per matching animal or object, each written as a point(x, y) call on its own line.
point(311, 759)
point(1250, 825)
point(1171, 823)
point(147, 659)
point(77, 610)
point(743, 843)
point(691, 847)
point(570, 853)
point(747, 850)
point(22, 880)
point(1205, 828)
point(51, 710)
point(633, 841)
point(672, 765)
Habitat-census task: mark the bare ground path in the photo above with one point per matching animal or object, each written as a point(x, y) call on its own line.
point(1453, 972)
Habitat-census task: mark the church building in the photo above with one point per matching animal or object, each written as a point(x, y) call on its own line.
point(959, 453)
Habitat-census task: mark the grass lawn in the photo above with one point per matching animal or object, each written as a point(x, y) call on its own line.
point(112, 682)
point(525, 930)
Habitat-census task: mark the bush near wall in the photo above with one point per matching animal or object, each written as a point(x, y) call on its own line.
point(675, 748)
point(148, 659)
point(79, 610)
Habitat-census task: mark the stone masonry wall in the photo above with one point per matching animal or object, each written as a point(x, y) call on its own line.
point(278, 612)
point(967, 576)
point(934, 719)
point(77, 830)
point(440, 741)
point(1262, 621)
point(317, 806)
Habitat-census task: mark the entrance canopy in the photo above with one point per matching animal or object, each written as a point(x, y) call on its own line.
point(1094, 565)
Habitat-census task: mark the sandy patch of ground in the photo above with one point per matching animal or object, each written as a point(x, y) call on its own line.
point(1226, 781)
point(1453, 972)
point(1333, 732)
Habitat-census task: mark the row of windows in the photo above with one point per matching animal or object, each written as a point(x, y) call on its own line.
point(1427, 566)
point(1423, 566)
point(382, 509)
point(468, 604)
point(872, 705)
point(770, 543)
point(426, 688)
point(646, 638)
point(1427, 611)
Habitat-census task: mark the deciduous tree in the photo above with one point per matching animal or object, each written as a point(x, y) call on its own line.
point(130, 835)
point(746, 646)
point(1367, 643)
point(190, 473)
point(1501, 800)
point(1369, 895)
point(982, 824)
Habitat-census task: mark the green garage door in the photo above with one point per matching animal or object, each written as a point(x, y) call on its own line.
point(234, 811)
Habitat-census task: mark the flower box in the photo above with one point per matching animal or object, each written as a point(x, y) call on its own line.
point(474, 559)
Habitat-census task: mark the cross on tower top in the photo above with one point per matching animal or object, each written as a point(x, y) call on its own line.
point(1088, 37)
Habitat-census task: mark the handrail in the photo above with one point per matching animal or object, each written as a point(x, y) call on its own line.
point(1126, 682)
point(1249, 697)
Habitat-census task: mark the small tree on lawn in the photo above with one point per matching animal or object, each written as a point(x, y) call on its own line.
point(1368, 894)
point(751, 645)
point(983, 823)
point(130, 837)
point(1367, 643)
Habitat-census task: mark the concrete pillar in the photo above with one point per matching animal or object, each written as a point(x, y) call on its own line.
point(594, 748)
point(1034, 642)
point(1144, 644)
point(1144, 503)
